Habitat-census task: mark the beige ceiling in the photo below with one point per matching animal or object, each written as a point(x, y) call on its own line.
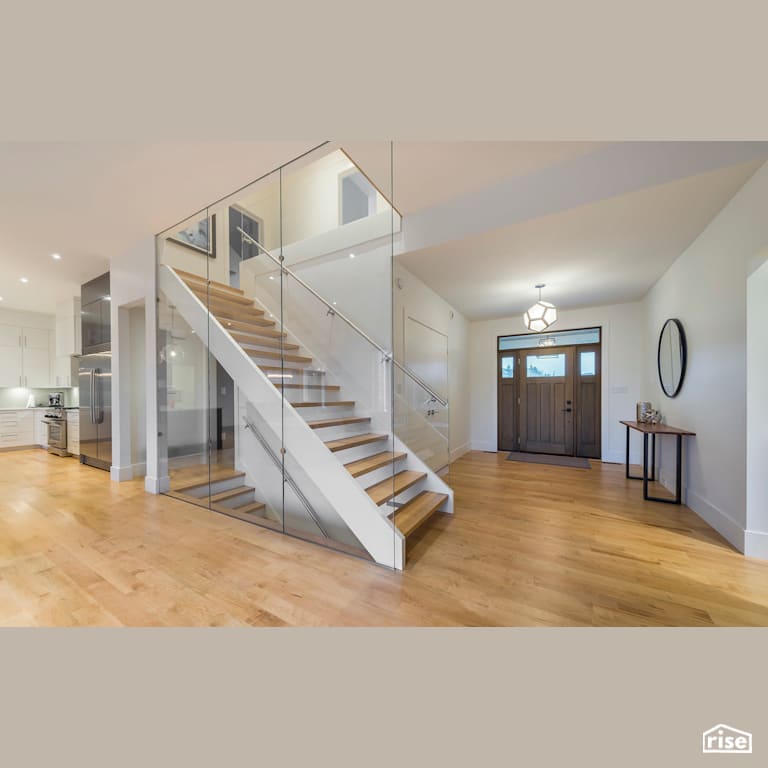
point(422, 174)
point(88, 201)
point(607, 252)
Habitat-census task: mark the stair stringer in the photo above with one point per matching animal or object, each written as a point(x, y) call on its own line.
point(283, 425)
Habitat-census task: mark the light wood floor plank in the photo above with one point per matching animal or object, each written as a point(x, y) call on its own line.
point(528, 545)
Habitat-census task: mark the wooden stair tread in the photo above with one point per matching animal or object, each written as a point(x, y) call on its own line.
point(231, 309)
point(325, 404)
point(242, 314)
point(214, 478)
point(340, 422)
point(354, 441)
point(252, 329)
point(246, 509)
point(389, 488)
point(326, 387)
point(291, 371)
point(370, 463)
point(185, 276)
point(230, 493)
point(278, 356)
point(217, 294)
point(256, 341)
point(417, 511)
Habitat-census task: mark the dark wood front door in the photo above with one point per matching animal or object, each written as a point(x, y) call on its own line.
point(546, 400)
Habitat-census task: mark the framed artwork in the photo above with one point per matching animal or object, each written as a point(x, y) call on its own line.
point(199, 237)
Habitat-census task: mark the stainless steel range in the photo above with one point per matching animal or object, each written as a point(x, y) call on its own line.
point(56, 422)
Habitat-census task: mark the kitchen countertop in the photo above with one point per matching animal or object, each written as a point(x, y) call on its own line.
point(42, 408)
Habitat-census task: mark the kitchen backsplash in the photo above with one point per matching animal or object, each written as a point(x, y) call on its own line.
point(17, 397)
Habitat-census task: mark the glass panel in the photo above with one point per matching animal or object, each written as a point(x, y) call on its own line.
point(561, 339)
point(507, 367)
point(281, 401)
point(183, 408)
point(543, 366)
point(588, 363)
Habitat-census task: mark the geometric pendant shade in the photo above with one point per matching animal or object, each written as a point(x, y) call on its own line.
point(541, 315)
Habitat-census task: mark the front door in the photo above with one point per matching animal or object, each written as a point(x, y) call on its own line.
point(546, 400)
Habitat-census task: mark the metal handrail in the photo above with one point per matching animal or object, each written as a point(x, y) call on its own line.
point(388, 356)
point(286, 475)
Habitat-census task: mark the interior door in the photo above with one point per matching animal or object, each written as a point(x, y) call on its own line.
point(546, 401)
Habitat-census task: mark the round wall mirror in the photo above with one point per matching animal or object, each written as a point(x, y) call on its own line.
point(672, 357)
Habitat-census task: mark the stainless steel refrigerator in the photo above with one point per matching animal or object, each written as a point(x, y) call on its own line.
point(96, 410)
point(95, 374)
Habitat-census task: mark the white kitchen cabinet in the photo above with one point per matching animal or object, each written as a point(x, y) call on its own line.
point(24, 357)
point(73, 432)
point(11, 372)
point(17, 428)
point(41, 429)
point(36, 357)
point(63, 376)
point(68, 329)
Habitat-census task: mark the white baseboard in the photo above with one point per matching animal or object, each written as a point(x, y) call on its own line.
point(156, 484)
point(722, 522)
point(457, 453)
point(756, 544)
point(477, 445)
point(139, 469)
point(120, 474)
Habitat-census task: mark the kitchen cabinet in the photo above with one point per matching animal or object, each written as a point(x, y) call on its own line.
point(24, 357)
point(36, 358)
point(11, 372)
point(41, 429)
point(17, 428)
point(68, 329)
point(73, 432)
point(65, 372)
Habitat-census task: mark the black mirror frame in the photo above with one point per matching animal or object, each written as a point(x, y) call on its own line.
point(684, 356)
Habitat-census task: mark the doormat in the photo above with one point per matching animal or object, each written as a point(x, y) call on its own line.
point(576, 462)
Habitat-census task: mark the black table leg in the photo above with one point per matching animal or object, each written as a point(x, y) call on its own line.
point(653, 457)
point(645, 465)
point(678, 475)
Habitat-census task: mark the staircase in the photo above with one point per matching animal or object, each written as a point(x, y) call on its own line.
point(354, 456)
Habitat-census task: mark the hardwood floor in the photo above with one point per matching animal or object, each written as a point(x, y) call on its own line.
point(528, 545)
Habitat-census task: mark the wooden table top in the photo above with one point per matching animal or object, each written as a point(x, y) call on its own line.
point(657, 429)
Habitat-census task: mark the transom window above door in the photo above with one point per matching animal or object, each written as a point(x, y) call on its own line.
point(548, 340)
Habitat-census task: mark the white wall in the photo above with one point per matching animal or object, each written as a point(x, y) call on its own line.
point(622, 373)
point(417, 300)
point(132, 286)
point(756, 536)
point(706, 289)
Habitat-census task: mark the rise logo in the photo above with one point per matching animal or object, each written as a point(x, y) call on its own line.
point(722, 739)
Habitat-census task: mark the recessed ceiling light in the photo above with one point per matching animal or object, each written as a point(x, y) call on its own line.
point(1, 298)
point(271, 277)
point(56, 256)
point(351, 255)
point(24, 280)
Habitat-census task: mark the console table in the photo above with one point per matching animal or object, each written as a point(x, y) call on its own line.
point(653, 430)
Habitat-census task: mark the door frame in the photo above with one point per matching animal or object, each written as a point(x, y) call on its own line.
point(516, 385)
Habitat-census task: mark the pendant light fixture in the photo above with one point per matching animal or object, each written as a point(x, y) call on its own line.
point(541, 315)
